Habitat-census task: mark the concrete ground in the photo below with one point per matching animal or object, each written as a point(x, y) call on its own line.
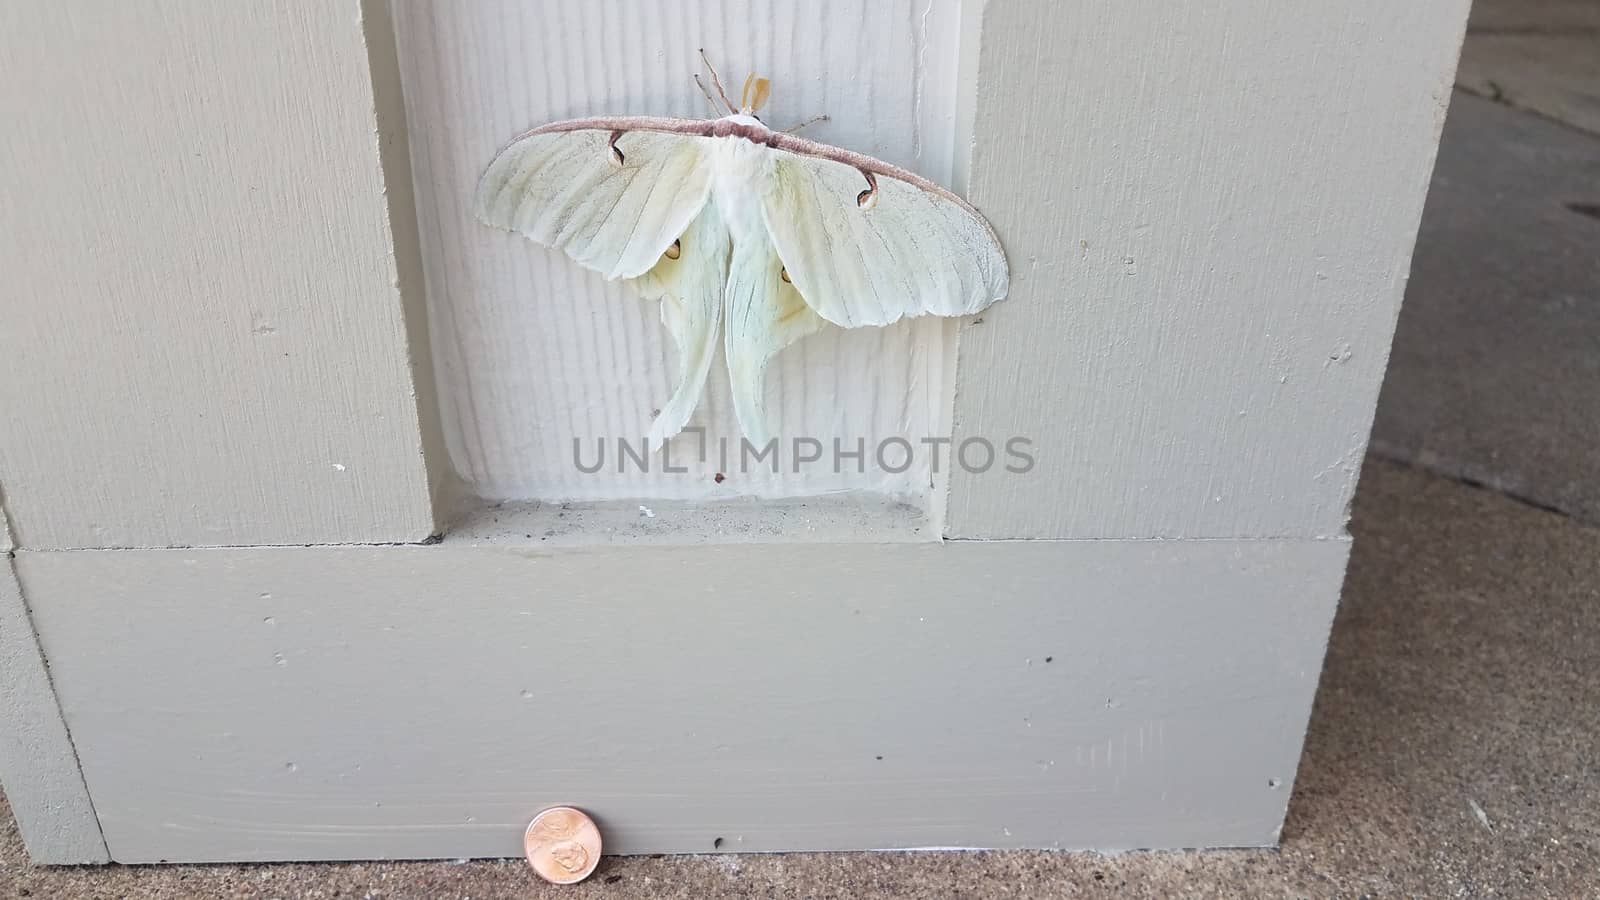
point(1455, 745)
point(1495, 372)
point(1538, 55)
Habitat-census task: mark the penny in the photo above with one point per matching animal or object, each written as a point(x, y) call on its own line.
point(563, 845)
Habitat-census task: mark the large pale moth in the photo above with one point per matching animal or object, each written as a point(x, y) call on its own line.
point(759, 234)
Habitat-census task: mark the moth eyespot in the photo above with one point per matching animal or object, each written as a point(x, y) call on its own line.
point(675, 251)
point(784, 274)
point(868, 198)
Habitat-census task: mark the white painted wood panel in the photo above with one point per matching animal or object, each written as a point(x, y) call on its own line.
point(1209, 209)
point(38, 768)
point(405, 701)
point(202, 338)
point(533, 351)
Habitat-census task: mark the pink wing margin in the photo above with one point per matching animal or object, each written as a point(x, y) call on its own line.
point(760, 134)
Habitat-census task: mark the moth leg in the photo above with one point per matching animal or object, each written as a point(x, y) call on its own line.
point(707, 94)
point(809, 122)
point(717, 82)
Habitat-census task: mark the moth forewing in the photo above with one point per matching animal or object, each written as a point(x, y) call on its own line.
point(911, 251)
point(561, 188)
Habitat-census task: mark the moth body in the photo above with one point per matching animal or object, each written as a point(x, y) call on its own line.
point(739, 166)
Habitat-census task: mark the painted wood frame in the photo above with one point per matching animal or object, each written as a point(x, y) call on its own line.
point(1209, 209)
point(534, 352)
point(216, 342)
point(209, 330)
point(779, 696)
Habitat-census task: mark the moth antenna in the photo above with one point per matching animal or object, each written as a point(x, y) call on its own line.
point(717, 82)
point(707, 94)
point(760, 89)
point(744, 92)
point(811, 121)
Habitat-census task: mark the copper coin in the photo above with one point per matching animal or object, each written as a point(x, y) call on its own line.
point(563, 845)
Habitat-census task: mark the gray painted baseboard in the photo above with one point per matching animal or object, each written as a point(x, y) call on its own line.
point(406, 701)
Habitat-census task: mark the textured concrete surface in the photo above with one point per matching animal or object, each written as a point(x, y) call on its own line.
point(1495, 372)
point(1539, 55)
point(1452, 752)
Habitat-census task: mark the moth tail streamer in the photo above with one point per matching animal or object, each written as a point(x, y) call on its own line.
point(696, 348)
point(688, 279)
point(765, 313)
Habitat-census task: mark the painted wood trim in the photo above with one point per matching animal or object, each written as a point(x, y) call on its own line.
point(207, 305)
point(406, 701)
point(1209, 210)
point(445, 488)
point(38, 766)
point(534, 351)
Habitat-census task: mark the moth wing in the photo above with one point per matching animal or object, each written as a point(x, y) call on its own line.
point(914, 250)
point(764, 315)
point(690, 289)
point(565, 189)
